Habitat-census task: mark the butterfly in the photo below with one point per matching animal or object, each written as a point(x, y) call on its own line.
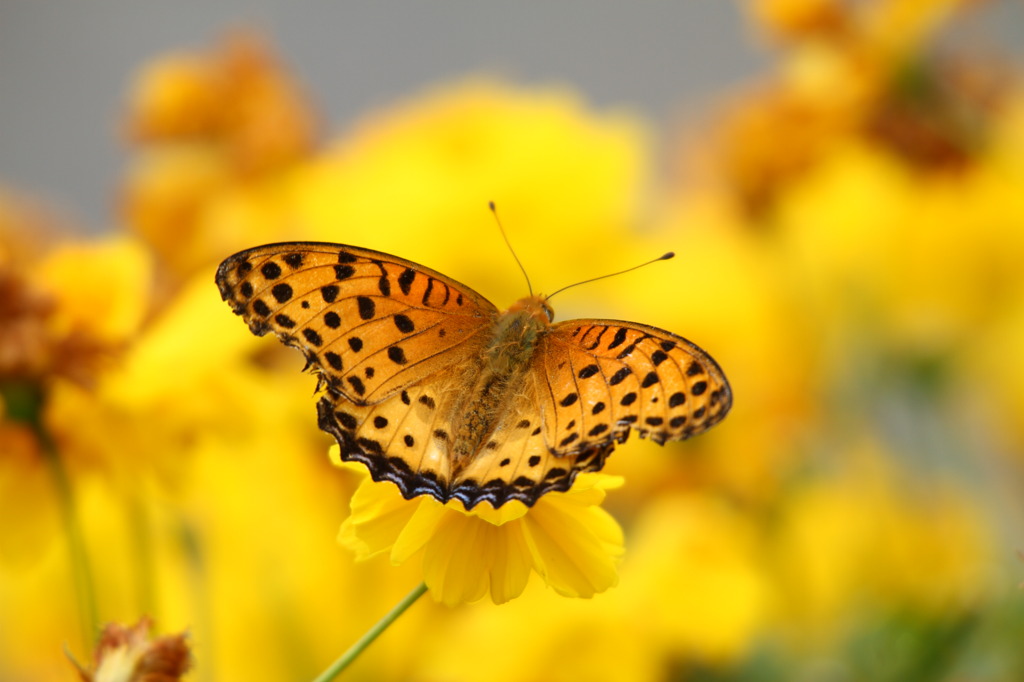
point(430, 386)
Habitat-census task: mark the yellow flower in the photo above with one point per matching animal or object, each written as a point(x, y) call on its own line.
point(214, 129)
point(796, 19)
point(237, 99)
point(877, 538)
point(67, 312)
point(566, 538)
point(698, 556)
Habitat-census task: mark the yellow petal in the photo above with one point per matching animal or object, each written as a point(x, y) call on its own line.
point(378, 517)
point(456, 559)
point(511, 567)
point(574, 549)
point(420, 527)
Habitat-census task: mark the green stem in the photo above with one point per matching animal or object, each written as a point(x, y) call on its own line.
point(346, 658)
point(24, 402)
point(80, 566)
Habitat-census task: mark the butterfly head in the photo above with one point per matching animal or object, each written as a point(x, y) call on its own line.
point(536, 307)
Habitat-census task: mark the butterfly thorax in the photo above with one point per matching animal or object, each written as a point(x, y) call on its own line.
point(515, 334)
point(505, 363)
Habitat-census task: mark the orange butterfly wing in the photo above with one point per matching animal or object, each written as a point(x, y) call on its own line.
point(600, 378)
point(370, 323)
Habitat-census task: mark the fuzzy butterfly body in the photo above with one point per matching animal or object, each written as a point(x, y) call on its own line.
point(431, 387)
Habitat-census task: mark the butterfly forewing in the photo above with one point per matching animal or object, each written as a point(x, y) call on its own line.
point(600, 378)
point(371, 323)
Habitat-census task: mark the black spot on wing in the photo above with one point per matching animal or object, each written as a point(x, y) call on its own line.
point(271, 270)
point(329, 293)
point(367, 307)
point(619, 339)
point(261, 308)
point(597, 339)
point(620, 376)
point(397, 355)
point(404, 324)
point(406, 279)
point(282, 292)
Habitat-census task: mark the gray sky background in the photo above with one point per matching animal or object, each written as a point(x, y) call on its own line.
point(64, 66)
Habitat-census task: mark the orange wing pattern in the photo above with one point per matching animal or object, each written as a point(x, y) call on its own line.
point(370, 323)
point(600, 378)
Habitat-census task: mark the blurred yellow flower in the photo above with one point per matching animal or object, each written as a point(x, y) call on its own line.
point(790, 19)
point(566, 538)
point(874, 539)
point(68, 312)
point(103, 288)
point(212, 128)
point(236, 98)
point(696, 578)
point(856, 71)
point(414, 180)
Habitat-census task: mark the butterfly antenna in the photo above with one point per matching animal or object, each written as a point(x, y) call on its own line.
point(494, 210)
point(666, 256)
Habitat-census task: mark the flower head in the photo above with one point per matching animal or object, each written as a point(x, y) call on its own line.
point(566, 538)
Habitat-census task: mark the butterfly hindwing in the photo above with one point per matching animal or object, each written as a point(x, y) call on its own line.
point(516, 463)
point(371, 323)
point(600, 378)
point(403, 439)
point(406, 439)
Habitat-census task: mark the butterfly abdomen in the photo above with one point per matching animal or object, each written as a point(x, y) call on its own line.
point(505, 362)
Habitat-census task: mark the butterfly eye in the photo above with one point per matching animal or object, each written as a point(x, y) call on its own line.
point(549, 311)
